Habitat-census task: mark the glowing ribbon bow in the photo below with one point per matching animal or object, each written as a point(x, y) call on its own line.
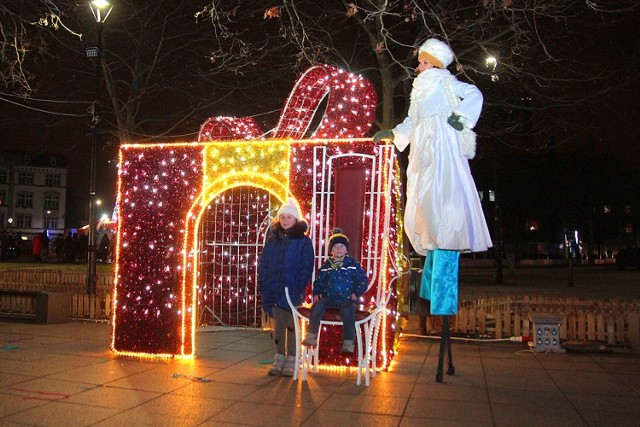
point(349, 113)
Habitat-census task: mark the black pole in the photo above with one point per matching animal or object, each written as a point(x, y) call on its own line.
point(497, 219)
point(95, 121)
point(570, 270)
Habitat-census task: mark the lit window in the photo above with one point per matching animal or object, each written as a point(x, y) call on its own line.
point(25, 178)
point(492, 196)
point(607, 209)
point(52, 180)
point(23, 221)
point(50, 222)
point(25, 200)
point(51, 201)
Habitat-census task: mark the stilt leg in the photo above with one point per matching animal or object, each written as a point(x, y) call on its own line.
point(451, 370)
point(443, 346)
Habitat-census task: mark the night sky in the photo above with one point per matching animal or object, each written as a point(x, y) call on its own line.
point(609, 128)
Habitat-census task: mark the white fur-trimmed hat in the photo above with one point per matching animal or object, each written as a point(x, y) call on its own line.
point(437, 52)
point(290, 207)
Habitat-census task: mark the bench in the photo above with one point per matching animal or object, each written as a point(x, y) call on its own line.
point(39, 306)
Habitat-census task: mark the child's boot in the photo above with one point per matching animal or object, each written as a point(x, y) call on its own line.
point(347, 346)
point(310, 340)
point(289, 366)
point(278, 365)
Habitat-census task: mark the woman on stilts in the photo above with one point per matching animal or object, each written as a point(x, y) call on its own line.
point(443, 214)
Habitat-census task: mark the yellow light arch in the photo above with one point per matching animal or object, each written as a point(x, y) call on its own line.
point(278, 189)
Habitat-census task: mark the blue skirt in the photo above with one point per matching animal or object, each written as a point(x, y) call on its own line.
point(440, 281)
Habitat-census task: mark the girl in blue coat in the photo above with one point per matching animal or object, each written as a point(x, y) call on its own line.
point(286, 261)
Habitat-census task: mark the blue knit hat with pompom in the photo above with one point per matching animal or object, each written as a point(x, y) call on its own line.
point(337, 236)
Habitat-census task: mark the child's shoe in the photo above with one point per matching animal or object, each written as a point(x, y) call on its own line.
point(347, 346)
point(289, 366)
point(311, 340)
point(278, 365)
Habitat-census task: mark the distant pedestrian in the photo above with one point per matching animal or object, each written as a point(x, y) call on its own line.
point(37, 246)
point(104, 249)
point(68, 248)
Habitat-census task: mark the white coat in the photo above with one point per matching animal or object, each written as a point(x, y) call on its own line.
point(443, 209)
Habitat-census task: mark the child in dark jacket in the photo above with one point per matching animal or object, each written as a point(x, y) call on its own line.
point(286, 261)
point(339, 283)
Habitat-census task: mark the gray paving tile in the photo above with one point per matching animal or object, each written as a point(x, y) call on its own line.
point(385, 385)
point(526, 414)
point(519, 380)
point(150, 380)
point(57, 414)
point(449, 411)
point(261, 414)
point(15, 403)
point(103, 371)
point(286, 392)
point(597, 383)
point(369, 404)
point(325, 418)
point(585, 403)
point(112, 398)
point(436, 422)
point(217, 390)
point(7, 380)
point(448, 391)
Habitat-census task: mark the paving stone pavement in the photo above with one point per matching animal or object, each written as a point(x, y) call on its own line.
point(65, 375)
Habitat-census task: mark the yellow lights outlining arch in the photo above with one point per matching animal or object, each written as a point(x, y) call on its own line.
point(191, 253)
point(227, 165)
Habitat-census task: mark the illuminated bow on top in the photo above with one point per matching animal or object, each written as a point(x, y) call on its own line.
point(349, 113)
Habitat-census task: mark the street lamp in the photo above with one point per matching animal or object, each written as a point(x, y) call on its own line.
point(101, 10)
point(491, 63)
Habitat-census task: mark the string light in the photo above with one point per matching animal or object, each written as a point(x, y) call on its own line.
point(168, 192)
point(351, 103)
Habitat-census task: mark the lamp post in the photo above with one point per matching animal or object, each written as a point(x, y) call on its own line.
point(491, 63)
point(101, 10)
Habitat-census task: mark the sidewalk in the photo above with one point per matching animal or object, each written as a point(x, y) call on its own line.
point(53, 375)
point(65, 375)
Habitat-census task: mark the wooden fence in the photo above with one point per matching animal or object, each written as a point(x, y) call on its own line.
point(83, 305)
point(609, 321)
point(613, 321)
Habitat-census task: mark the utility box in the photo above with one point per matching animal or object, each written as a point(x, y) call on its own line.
point(546, 332)
point(53, 307)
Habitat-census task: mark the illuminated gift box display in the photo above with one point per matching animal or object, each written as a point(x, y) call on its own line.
point(192, 217)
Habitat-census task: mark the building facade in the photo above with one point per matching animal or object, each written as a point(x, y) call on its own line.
point(33, 192)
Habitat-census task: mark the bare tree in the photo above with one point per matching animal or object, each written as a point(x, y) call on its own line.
point(25, 31)
point(540, 48)
point(168, 65)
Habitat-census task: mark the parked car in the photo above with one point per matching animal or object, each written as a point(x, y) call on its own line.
point(628, 257)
